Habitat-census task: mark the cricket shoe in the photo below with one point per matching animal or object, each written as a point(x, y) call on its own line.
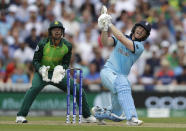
point(134, 122)
point(21, 119)
point(103, 113)
point(90, 119)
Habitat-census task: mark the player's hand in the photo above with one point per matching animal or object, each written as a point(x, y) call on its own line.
point(43, 70)
point(58, 74)
point(104, 21)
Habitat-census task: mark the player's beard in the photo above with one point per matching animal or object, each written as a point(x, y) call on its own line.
point(57, 36)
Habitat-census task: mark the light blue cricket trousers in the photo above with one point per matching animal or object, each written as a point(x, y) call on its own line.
point(121, 95)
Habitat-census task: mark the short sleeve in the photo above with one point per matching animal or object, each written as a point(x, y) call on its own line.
point(115, 40)
point(138, 47)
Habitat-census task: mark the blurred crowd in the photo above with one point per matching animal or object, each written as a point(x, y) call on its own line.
point(24, 22)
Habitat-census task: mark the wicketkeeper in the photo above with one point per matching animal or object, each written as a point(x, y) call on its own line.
point(51, 59)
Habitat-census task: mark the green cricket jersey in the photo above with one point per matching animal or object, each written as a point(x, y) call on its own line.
point(49, 55)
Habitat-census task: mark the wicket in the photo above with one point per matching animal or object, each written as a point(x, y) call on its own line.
point(74, 95)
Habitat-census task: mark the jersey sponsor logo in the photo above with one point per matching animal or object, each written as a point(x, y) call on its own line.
point(122, 52)
point(37, 48)
point(53, 59)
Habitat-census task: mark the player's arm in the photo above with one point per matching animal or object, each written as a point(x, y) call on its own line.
point(119, 35)
point(104, 22)
point(105, 39)
point(67, 57)
point(38, 55)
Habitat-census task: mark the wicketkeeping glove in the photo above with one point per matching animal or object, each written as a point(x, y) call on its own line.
point(58, 74)
point(43, 70)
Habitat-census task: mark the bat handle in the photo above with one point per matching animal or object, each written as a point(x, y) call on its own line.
point(104, 10)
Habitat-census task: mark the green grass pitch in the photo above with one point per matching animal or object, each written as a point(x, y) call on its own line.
point(58, 124)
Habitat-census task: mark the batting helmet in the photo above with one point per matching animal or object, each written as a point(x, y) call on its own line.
point(146, 26)
point(56, 24)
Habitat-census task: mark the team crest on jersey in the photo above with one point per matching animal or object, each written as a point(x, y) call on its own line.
point(37, 48)
point(56, 23)
point(122, 52)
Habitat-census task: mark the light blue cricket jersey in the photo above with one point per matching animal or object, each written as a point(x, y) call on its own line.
point(122, 59)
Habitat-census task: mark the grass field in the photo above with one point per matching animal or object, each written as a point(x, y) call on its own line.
point(58, 124)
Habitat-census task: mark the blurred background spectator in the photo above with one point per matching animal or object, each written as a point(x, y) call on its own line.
point(181, 79)
point(24, 22)
point(92, 81)
point(147, 79)
point(2, 71)
point(19, 75)
point(165, 75)
point(32, 40)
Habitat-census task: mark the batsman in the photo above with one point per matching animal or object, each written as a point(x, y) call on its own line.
point(51, 59)
point(114, 75)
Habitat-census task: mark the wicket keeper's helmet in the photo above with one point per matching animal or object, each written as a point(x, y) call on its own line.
point(146, 26)
point(56, 24)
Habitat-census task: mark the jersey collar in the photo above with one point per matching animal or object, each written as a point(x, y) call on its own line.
point(129, 37)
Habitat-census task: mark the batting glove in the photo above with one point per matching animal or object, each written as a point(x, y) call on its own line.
point(58, 74)
point(43, 70)
point(104, 21)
